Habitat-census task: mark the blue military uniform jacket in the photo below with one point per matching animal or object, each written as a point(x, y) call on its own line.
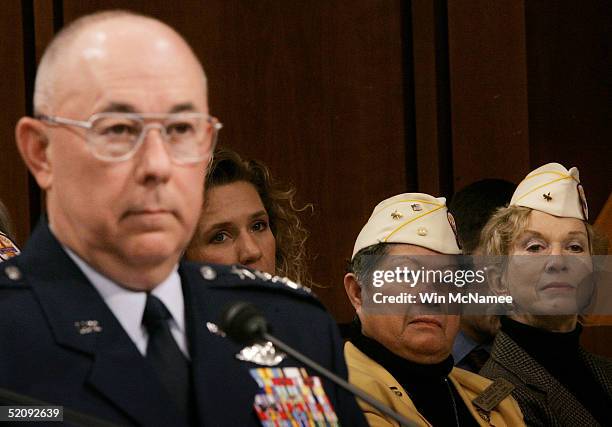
point(48, 351)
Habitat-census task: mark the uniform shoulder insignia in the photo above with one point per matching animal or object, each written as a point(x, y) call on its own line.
point(244, 274)
point(240, 276)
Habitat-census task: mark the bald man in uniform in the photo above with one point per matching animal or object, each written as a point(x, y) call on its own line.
point(98, 313)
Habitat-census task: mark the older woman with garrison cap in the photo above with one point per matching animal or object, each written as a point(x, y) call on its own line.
point(544, 232)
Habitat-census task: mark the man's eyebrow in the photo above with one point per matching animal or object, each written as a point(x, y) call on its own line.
point(120, 107)
point(187, 106)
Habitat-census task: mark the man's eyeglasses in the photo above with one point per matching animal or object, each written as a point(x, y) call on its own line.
point(114, 137)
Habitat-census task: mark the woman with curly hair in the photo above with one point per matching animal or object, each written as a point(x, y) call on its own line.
point(248, 219)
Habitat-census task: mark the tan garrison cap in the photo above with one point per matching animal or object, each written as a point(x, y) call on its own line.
point(412, 218)
point(554, 190)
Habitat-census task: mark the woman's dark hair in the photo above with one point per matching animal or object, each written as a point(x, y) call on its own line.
point(228, 167)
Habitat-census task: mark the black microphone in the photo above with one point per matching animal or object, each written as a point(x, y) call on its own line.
point(244, 324)
point(10, 398)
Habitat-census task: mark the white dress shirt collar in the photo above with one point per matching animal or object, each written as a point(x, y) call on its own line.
point(128, 306)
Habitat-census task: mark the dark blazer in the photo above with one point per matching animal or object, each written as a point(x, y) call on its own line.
point(543, 400)
point(45, 355)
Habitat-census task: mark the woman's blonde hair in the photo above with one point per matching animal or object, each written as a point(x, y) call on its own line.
point(506, 224)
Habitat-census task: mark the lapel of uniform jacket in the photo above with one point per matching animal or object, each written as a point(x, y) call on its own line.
point(118, 370)
point(217, 374)
point(198, 341)
point(513, 358)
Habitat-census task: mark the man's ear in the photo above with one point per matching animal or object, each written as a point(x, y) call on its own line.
point(353, 290)
point(494, 280)
point(32, 143)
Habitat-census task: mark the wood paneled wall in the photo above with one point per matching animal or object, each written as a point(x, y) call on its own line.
point(353, 102)
point(14, 184)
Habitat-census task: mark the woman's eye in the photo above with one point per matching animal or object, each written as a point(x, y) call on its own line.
point(575, 247)
point(260, 226)
point(534, 247)
point(219, 237)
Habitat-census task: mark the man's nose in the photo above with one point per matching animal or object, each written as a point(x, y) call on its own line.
point(154, 161)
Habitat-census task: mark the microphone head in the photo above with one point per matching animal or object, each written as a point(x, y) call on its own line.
point(243, 323)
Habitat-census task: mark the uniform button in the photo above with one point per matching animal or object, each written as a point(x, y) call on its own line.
point(208, 273)
point(12, 272)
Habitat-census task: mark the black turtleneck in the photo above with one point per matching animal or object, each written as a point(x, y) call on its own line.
point(559, 353)
point(428, 386)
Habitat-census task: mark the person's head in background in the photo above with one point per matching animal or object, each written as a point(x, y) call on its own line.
point(409, 229)
point(248, 218)
point(472, 206)
point(549, 243)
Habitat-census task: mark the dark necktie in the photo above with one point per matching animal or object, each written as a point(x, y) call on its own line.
point(170, 364)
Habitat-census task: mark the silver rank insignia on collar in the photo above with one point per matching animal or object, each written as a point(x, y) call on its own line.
point(244, 273)
point(214, 329)
point(88, 327)
point(264, 354)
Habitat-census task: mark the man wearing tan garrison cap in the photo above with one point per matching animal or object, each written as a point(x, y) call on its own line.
point(400, 353)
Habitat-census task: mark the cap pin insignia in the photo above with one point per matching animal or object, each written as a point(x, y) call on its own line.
point(416, 207)
point(396, 215)
point(547, 197)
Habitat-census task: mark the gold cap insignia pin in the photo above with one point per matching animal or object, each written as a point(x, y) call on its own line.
point(396, 214)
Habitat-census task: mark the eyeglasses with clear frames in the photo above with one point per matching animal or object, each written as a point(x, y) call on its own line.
point(115, 137)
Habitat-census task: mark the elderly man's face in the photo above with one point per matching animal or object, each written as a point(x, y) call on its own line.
point(140, 212)
point(426, 338)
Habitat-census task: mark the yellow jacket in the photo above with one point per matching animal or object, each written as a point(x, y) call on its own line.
point(371, 377)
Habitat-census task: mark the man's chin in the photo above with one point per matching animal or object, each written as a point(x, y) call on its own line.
point(428, 355)
point(152, 248)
